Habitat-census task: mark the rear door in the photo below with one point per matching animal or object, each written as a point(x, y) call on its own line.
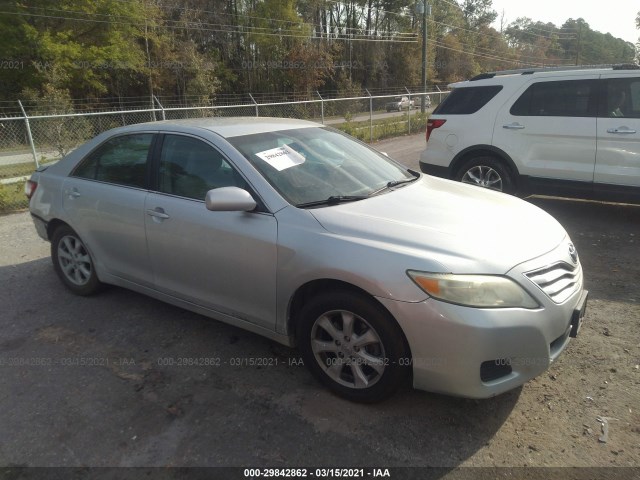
point(104, 201)
point(225, 261)
point(618, 157)
point(550, 129)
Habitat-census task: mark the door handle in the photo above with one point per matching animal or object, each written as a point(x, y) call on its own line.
point(157, 213)
point(623, 130)
point(73, 193)
point(513, 126)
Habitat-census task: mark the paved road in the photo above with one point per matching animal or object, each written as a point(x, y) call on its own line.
point(406, 149)
point(120, 379)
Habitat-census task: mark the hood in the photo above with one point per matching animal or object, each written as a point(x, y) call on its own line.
point(464, 228)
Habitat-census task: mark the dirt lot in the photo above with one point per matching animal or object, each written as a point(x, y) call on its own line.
point(89, 381)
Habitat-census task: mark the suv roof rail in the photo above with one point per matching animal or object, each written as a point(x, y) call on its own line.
point(529, 71)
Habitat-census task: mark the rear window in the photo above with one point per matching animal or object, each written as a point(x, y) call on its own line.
point(467, 100)
point(566, 98)
point(622, 97)
point(121, 160)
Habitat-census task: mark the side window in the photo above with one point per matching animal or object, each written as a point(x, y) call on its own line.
point(565, 98)
point(121, 160)
point(467, 100)
point(190, 168)
point(622, 98)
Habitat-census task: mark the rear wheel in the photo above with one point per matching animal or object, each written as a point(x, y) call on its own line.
point(487, 172)
point(73, 263)
point(353, 346)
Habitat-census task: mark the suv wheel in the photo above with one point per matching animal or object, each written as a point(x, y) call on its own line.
point(486, 172)
point(353, 346)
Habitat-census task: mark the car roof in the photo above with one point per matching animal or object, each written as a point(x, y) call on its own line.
point(226, 127)
point(506, 76)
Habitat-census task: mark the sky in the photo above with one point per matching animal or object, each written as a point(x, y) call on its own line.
point(617, 18)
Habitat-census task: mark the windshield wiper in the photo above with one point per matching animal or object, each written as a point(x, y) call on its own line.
point(394, 183)
point(332, 200)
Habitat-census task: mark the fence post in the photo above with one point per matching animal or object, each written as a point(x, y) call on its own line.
point(409, 110)
point(370, 116)
point(33, 147)
point(439, 95)
point(321, 106)
point(161, 107)
point(255, 103)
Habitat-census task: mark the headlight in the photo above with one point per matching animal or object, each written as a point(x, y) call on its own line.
point(482, 291)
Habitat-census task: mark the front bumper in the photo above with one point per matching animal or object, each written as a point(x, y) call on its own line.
point(480, 353)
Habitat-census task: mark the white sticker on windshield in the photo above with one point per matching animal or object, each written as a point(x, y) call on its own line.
point(281, 158)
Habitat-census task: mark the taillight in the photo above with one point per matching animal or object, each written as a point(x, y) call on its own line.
point(30, 188)
point(431, 124)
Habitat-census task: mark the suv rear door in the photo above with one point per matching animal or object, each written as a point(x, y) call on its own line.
point(549, 128)
point(618, 157)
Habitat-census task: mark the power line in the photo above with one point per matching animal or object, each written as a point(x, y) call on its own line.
point(223, 29)
point(490, 57)
point(485, 34)
point(482, 49)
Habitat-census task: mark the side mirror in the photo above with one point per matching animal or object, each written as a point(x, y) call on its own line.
point(229, 199)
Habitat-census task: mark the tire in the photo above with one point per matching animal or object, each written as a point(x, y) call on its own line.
point(353, 346)
point(487, 172)
point(73, 263)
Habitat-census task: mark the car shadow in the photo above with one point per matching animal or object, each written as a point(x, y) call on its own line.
point(120, 379)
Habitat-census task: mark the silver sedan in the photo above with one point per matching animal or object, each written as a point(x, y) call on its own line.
point(304, 235)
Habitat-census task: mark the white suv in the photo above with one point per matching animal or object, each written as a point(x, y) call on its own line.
point(569, 132)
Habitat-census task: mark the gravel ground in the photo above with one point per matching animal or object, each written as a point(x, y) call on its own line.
point(127, 406)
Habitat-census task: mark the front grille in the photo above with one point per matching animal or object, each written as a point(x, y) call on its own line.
point(559, 281)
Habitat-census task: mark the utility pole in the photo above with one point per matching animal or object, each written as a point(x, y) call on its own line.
point(146, 44)
point(579, 39)
point(426, 9)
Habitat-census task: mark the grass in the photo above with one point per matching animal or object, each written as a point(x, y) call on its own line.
point(386, 128)
point(12, 197)
point(16, 170)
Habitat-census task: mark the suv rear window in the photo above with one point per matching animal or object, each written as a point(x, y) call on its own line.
point(467, 100)
point(566, 98)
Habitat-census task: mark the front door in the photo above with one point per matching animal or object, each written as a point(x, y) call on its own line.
point(618, 157)
point(225, 261)
point(550, 130)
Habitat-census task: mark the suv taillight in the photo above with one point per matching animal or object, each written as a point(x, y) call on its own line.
point(431, 124)
point(30, 188)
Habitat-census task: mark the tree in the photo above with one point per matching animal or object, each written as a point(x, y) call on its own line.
point(188, 52)
point(478, 13)
point(74, 37)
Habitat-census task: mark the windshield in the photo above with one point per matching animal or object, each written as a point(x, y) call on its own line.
point(310, 165)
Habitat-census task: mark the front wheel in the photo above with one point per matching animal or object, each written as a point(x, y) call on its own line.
point(353, 346)
point(487, 172)
point(73, 263)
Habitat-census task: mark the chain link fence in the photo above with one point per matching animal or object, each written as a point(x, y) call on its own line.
point(28, 141)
